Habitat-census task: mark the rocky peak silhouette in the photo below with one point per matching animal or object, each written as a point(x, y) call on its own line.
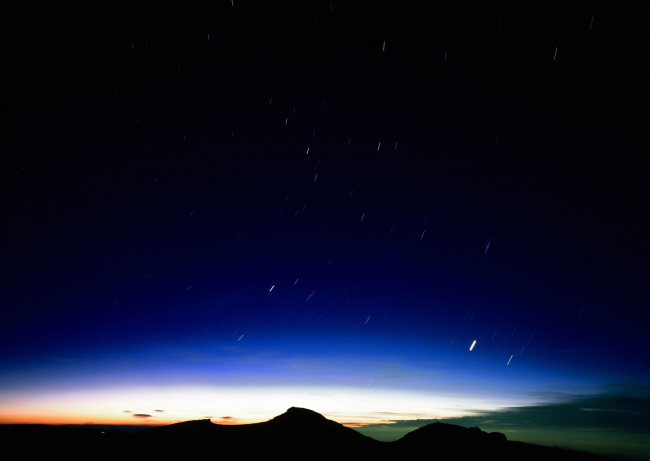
point(297, 414)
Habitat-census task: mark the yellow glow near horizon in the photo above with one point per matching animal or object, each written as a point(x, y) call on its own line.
point(170, 404)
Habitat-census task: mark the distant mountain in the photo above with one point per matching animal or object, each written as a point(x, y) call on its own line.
point(296, 434)
point(448, 441)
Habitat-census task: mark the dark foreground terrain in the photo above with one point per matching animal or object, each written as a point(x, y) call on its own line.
point(296, 434)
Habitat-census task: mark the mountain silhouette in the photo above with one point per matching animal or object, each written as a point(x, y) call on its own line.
point(448, 441)
point(453, 438)
point(296, 434)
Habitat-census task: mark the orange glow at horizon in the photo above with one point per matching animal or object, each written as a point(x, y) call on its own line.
point(32, 417)
point(168, 405)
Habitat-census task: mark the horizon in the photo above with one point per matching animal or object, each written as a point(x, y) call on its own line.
point(383, 216)
point(630, 446)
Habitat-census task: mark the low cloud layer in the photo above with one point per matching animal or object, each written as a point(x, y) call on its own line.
point(594, 423)
point(603, 412)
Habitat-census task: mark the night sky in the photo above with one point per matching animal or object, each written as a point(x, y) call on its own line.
point(226, 210)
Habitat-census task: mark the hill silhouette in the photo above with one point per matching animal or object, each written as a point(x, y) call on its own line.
point(296, 434)
point(449, 441)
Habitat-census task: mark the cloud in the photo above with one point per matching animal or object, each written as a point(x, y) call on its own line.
point(618, 410)
point(141, 415)
point(601, 412)
point(613, 424)
point(159, 411)
point(128, 411)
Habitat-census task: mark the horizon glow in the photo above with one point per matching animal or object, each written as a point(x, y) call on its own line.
point(226, 405)
point(244, 384)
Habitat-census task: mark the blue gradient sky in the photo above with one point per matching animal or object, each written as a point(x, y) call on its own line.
point(224, 213)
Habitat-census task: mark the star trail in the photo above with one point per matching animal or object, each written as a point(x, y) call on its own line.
point(380, 214)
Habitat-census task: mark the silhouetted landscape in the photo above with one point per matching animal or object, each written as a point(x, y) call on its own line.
point(296, 434)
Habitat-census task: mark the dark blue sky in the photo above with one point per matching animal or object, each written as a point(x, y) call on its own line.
point(334, 184)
